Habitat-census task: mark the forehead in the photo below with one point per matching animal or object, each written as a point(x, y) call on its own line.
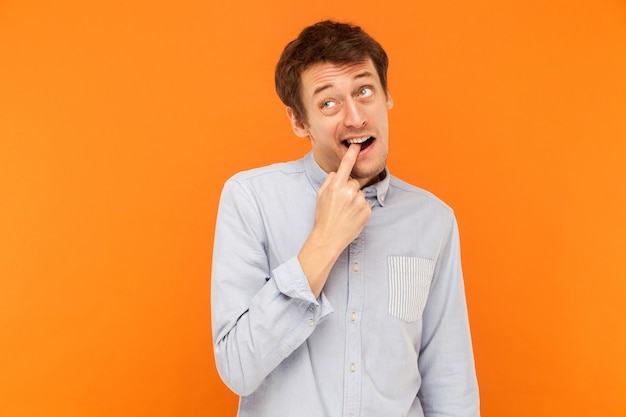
point(327, 75)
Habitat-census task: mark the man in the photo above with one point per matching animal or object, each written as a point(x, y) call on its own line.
point(337, 288)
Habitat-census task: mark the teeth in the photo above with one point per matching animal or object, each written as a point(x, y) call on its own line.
point(358, 140)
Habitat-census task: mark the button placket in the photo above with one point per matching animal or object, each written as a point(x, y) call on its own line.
point(352, 381)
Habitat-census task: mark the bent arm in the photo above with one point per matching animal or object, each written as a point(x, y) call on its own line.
point(259, 316)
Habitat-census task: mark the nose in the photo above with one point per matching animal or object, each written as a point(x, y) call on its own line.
point(355, 115)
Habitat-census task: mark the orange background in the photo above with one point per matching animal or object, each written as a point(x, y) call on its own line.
point(120, 121)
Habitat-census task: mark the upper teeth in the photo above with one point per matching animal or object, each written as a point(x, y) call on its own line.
point(358, 140)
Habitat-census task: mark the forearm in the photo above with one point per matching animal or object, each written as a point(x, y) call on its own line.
point(317, 258)
point(449, 386)
point(279, 317)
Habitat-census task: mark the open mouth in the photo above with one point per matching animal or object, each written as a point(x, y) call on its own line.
point(364, 141)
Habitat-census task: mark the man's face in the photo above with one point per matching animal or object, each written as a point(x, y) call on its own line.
point(345, 103)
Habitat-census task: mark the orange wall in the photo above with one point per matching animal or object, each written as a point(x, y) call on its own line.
point(120, 121)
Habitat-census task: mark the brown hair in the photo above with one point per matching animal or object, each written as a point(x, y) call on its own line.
point(326, 41)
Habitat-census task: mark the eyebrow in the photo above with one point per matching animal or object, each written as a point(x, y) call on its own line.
point(323, 87)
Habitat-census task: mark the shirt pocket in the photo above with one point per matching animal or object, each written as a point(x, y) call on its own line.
point(409, 285)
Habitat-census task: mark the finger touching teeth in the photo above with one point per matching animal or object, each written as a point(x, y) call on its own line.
point(365, 141)
point(357, 140)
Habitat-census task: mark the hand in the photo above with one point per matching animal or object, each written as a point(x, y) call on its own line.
point(340, 215)
point(341, 211)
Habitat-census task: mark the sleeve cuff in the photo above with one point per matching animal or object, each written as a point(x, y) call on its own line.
point(291, 281)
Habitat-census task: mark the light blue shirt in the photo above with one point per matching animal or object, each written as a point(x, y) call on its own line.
point(389, 334)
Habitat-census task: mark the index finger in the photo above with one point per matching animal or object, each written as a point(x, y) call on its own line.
point(348, 161)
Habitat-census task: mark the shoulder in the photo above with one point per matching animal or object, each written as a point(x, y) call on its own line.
point(403, 191)
point(269, 173)
point(268, 182)
point(267, 191)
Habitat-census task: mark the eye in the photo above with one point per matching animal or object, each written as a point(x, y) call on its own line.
point(329, 107)
point(328, 104)
point(366, 92)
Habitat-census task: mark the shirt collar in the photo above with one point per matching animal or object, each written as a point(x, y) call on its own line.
point(374, 193)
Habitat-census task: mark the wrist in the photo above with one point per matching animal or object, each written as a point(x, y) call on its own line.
point(316, 258)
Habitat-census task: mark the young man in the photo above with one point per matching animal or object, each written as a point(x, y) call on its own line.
point(337, 288)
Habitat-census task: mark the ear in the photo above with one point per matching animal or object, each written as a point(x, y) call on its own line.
point(389, 101)
point(298, 127)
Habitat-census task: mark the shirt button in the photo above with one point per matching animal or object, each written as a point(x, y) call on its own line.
point(353, 316)
point(352, 367)
point(356, 267)
point(311, 323)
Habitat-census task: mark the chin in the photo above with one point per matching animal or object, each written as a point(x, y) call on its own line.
point(368, 173)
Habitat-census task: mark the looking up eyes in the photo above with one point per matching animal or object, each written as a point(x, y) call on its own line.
point(366, 92)
point(333, 105)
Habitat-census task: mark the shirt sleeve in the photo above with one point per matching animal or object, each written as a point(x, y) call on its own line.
point(259, 317)
point(446, 361)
